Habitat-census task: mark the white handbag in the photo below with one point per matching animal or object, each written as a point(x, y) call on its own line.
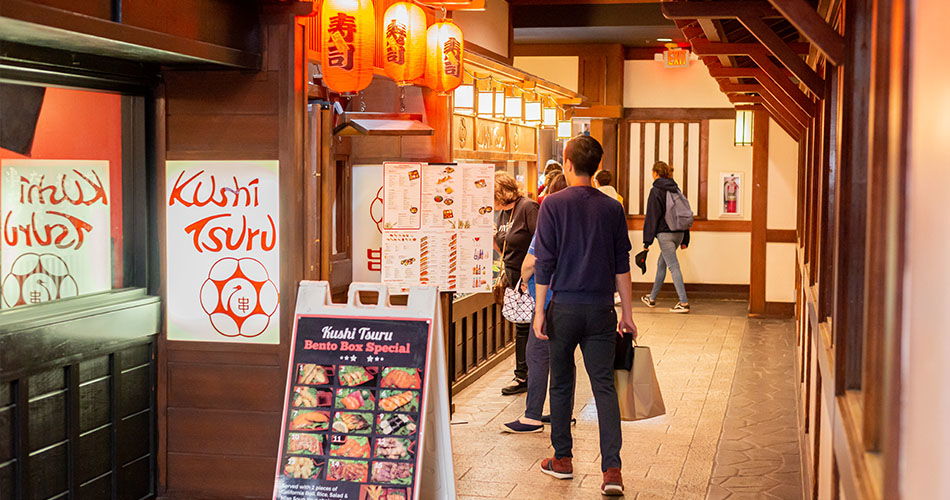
point(518, 306)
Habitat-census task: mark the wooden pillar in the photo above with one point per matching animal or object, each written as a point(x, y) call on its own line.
point(760, 193)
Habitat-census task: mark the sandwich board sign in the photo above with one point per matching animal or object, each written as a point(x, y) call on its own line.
point(366, 413)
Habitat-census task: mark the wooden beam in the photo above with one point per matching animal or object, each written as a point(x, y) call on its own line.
point(740, 88)
point(782, 117)
point(784, 53)
point(723, 72)
point(716, 10)
point(760, 190)
point(772, 71)
point(810, 24)
point(739, 49)
point(745, 99)
point(678, 114)
point(641, 53)
point(781, 101)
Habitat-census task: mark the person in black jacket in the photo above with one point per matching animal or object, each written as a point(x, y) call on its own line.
point(655, 227)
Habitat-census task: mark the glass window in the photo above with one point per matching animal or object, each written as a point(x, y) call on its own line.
point(60, 193)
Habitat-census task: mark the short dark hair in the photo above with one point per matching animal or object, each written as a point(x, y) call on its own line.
point(558, 182)
point(585, 153)
point(604, 177)
point(552, 166)
point(663, 169)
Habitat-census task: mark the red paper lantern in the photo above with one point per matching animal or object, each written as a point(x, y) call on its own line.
point(348, 43)
point(444, 57)
point(404, 42)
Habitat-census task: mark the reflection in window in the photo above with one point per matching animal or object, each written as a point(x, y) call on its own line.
point(60, 193)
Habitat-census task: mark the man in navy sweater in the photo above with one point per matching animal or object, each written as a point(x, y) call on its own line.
point(583, 255)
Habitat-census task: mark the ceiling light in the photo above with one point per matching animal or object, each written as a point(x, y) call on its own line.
point(664, 39)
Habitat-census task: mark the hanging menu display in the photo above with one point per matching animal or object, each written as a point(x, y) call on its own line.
point(354, 409)
point(438, 225)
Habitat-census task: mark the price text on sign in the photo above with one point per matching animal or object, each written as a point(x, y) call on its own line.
point(353, 409)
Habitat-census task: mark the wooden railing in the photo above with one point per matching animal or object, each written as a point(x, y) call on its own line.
point(477, 337)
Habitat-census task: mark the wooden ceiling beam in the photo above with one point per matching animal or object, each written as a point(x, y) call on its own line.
point(773, 72)
point(799, 101)
point(702, 47)
point(740, 88)
point(745, 99)
point(716, 10)
point(784, 53)
point(810, 24)
point(781, 102)
point(790, 128)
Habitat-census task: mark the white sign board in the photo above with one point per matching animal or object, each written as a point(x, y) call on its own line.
point(223, 251)
point(367, 223)
point(56, 241)
point(438, 225)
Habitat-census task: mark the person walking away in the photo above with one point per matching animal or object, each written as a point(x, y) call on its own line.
point(655, 226)
point(517, 218)
point(602, 181)
point(583, 255)
point(536, 352)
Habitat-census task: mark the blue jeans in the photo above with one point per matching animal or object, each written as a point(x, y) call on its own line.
point(669, 242)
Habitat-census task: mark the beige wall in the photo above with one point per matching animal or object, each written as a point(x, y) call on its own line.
point(488, 28)
point(561, 70)
point(925, 435)
point(647, 84)
point(720, 257)
point(712, 257)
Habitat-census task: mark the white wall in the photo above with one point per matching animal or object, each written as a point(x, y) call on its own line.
point(488, 28)
point(647, 84)
point(925, 405)
point(561, 70)
point(712, 257)
point(783, 179)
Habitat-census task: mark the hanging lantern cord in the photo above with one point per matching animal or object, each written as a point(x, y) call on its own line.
point(402, 99)
point(362, 103)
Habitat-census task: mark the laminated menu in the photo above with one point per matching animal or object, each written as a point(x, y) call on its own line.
point(438, 225)
point(354, 409)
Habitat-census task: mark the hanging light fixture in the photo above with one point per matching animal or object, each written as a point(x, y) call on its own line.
point(444, 57)
point(514, 105)
point(549, 116)
point(743, 128)
point(499, 102)
point(348, 36)
point(533, 112)
point(464, 99)
point(404, 42)
point(564, 129)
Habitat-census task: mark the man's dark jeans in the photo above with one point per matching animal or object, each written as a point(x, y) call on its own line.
point(594, 328)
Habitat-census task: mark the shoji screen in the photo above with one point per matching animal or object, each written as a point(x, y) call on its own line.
point(677, 143)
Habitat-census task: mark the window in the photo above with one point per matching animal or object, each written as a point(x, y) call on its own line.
point(61, 193)
point(679, 143)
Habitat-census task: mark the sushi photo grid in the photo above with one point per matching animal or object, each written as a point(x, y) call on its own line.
point(355, 424)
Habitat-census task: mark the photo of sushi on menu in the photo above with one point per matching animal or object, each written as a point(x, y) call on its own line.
point(352, 421)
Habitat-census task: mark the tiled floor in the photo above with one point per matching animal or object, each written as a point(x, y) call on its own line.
point(666, 457)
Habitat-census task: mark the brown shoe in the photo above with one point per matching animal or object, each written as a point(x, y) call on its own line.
point(613, 482)
point(560, 468)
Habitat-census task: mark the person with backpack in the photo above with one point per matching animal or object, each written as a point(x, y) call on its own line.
point(668, 221)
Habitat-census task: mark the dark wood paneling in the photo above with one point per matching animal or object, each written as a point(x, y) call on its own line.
point(760, 186)
point(780, 236)
point(678, 114)
point(221, 22)
point(236, 386)
point(223, 432)
point(635, 223)
point(200, 476)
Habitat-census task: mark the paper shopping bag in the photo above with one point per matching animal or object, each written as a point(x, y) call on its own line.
point(637, 389)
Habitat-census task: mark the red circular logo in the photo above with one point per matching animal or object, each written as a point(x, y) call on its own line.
point(239, 297)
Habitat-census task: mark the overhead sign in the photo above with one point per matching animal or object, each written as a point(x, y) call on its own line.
point(57, 241)
point(365, 411)
point(223, 251)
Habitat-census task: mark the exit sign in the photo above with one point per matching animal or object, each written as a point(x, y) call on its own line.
point(676, 58)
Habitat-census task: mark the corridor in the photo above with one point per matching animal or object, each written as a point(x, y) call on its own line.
point(729, 432)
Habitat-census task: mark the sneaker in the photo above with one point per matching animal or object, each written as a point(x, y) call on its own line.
point(646, 300)
point(613, 483)
point(680, 308)
point(518, 427)
point(516, 387)
point(560, 468)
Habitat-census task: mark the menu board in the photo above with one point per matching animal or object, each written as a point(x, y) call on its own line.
point(354, 409)
point(438, 225)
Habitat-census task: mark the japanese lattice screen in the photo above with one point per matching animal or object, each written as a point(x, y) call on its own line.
point(675, 142)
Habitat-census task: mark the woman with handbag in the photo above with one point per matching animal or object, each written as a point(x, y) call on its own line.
point(517, 217)
point(537, 349)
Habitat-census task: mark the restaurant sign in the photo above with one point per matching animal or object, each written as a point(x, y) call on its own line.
point(354, 410)
point(222, 251)
point(56, 236)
